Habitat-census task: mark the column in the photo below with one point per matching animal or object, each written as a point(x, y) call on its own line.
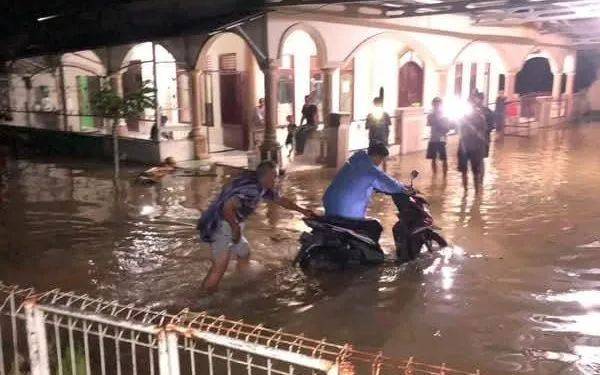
point(510, 80)
point(63, 96)
point(116, 82)
point(269, 150)
point(328, 89)
point(569, 86)
point(200, 142)
point(556, 83)
point(442, 76)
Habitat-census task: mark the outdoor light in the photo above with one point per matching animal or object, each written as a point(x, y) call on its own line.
point(377, 113)
point(454, 108)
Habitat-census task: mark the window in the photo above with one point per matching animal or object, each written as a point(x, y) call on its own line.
point(473, 78)
point(458, 73)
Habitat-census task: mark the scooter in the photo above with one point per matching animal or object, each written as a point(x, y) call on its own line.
point(336, 243)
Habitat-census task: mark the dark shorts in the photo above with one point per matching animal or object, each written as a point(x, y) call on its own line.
point(475, 157)
point(436, 150)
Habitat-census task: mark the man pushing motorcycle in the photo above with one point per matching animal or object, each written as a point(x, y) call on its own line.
point(347, 197)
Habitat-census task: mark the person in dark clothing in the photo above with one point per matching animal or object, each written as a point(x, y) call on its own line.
point(472, 145)
point(500, 114)
point(437, 141)
point(490, 123)
point(378, 123)
point(309, 113)
point(291, 129)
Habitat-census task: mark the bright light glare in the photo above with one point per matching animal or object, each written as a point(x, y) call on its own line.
point(146, 210)
point(454, 108)
point(42, 19)
point(377, 113)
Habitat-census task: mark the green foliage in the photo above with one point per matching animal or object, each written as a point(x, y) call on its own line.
point(107, 103)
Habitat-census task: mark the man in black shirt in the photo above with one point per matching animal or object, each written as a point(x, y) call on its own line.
point(472, 145)
point(437, 141)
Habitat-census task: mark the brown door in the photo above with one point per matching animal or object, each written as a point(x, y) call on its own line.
point(235, 128)
point(410, 85)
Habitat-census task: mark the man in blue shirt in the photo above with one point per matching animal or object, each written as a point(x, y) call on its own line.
point(222, 222)
point(348, 195)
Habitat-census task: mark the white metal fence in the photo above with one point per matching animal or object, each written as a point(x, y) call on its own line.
point(64, 333)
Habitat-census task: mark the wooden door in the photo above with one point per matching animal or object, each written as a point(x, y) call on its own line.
point(410, 85)
point(233, 119)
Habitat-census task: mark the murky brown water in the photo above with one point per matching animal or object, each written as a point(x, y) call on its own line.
point(516, 294)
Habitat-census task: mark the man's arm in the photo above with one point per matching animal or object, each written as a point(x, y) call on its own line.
point(288, 204)
point(387, 184)
point(229, 213)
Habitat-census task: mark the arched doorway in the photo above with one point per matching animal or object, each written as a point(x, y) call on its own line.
point(231, 84)
point(300, 74)
point(138, 67)
point(410, 80)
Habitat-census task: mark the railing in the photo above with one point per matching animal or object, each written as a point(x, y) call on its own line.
point(55, 120)
point(59, 332)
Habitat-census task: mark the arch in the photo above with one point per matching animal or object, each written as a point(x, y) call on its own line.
point(412, 57)
point(418, 48)
point(313, 33)
point(537, 51)
point(206, 46)
point(500, 53)
point(159, 47)
point(98, 69)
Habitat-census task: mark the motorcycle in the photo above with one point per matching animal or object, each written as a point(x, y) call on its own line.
point(337, 243)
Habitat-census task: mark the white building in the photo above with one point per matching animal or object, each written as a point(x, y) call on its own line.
point(211, 83)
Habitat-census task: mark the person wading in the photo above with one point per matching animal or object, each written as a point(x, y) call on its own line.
point(222, 224)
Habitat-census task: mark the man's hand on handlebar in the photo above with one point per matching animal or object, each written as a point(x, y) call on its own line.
point(411, 191)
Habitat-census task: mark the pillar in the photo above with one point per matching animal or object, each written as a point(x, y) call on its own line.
point(569, 86)
point(442, 77)
point(200, 141)
point(116, 82)
point(269, 150)
point(510, 80)
point(328, 92)
point(63, 96)
point(556, 83)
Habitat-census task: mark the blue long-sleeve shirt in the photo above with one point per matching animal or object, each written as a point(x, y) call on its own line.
point(351, 189)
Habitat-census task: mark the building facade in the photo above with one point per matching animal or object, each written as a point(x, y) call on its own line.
point(208, 85)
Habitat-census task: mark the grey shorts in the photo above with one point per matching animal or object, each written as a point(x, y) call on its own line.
point(223, 241)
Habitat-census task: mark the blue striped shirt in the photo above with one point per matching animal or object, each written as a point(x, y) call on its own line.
point(247, 189)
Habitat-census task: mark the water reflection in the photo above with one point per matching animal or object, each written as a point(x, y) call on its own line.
point(519, 288)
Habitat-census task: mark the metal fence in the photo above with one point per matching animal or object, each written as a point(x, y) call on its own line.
point(59, 332)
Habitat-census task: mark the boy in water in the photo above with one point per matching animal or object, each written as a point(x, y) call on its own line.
point(291, 129)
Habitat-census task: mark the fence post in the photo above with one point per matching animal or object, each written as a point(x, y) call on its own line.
point(168, 355)
point(36, 338)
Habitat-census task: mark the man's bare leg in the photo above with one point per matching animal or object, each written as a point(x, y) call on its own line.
point(434, 166)
point(445, 167)
point(216, 272)
point(465, 181)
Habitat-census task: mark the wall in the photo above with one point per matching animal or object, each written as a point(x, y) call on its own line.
point(82, 63)
point(19, 100)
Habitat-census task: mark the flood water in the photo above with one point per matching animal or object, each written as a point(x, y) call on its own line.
point(517, 293)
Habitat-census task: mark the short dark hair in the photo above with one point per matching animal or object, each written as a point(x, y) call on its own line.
point(436, 100)
point(264, 167)
point(378, 149)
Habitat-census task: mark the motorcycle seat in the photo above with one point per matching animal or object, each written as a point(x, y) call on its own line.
point(370, 228)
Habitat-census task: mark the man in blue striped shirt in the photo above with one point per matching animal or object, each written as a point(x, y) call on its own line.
point(222, 223)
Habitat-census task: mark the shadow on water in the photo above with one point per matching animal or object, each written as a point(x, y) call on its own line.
point(518, 292)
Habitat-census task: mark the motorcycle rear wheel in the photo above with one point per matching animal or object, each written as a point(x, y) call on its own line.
point(321, 259)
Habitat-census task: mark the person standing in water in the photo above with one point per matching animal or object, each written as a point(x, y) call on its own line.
point(437, 141)
point(222, 223)
point(291, 129)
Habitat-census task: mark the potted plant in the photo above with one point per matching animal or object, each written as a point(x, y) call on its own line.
point(108, 104)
